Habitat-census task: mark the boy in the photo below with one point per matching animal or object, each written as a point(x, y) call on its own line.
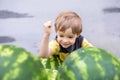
point(68, 27)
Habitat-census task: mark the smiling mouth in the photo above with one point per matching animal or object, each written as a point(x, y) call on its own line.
point(65, 44)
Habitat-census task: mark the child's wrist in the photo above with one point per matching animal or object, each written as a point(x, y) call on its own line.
point(46, 35)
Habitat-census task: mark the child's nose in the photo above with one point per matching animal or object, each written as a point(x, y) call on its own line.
point(65, 40)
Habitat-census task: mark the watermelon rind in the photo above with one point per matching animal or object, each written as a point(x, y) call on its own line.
point(51, 65)
point(17, 63)
point(90, 64)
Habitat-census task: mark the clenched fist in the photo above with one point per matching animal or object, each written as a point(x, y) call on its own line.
point(47, 27)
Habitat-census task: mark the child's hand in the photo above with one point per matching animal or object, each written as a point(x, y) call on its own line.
point(47, 27)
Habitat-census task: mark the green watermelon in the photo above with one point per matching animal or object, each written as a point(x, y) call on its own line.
point(90, 64)
point(16, 63)
point(51, 65)
point(52, 62)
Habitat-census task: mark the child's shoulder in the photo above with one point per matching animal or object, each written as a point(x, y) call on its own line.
point(54, 42)
point(80, 38)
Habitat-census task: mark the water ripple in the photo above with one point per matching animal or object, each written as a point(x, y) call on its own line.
point(112, 10)
point(4, 14)
point(6, 39)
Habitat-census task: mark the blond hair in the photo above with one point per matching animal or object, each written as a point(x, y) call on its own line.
point(68, 19)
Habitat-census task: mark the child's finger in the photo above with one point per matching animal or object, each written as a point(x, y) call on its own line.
point(48, 24)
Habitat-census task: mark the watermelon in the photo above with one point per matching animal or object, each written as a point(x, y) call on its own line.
point(16, 63)
point(51, 65)
point(90, 64)
point(52, 62)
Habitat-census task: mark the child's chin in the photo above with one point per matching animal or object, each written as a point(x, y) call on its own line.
point(65, 46)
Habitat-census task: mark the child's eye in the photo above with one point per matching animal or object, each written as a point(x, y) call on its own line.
point(70, 36)
point(61, 35)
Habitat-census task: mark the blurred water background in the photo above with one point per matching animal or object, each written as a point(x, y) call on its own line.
point(21, 21)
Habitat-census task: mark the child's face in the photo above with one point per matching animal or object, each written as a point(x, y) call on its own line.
point(67, 38)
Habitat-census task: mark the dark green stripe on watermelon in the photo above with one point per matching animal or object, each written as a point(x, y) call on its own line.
point(51, 64)
point(18, 64)
point(90, 64)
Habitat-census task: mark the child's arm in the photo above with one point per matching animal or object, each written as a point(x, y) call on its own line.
point(44, 48)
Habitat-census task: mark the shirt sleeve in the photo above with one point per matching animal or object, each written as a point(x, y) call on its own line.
point(85, 43)
point(54, 46)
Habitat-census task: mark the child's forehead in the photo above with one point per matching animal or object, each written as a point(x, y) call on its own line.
point(67, 35)
point(67, 31)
